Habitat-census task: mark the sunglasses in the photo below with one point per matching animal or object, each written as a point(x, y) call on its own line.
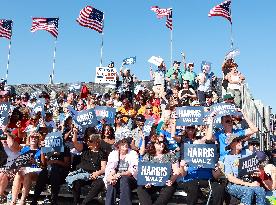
point(229, 121)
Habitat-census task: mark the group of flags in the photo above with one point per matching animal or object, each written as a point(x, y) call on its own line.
point(94, 19)
point(89, 17)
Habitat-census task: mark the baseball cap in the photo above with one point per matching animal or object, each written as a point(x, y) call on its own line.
point(228, 96)
point(176, 62)
point(230, 139)
point(140, 118)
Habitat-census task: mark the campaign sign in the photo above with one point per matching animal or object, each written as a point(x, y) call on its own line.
point(105, 75)
point(4, 113)
point(130, 60)
point(24, 160)
point(53, 143)
point(155, 60)
point(216, 121)
point(107, 113)
point(86, 118)
point(72, 111)
point(223, 109)
point(190, 115)
point(75, 88)
point(248, 165)
point(200, 155)
point(147, 126)
point(152, 173)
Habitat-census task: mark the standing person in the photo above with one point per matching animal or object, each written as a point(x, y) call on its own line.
point(89, 171)
point(121, 173)
point(222, 136)
point(128, 84)
point(174, 75)
point(187, 94)
point(26, 175)
point(157, 152)
point(137, 132)
point(158, 78)
point(245, 191)
point(190, 75)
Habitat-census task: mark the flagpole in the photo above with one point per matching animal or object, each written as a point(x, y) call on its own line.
point(102, 44)
point(54, 63)
point(8, 63)
point(232, 39)
point(171, 47)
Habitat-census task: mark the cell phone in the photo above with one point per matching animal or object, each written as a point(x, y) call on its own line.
point(3, 137)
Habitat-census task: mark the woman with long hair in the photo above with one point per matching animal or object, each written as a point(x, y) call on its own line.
point(108, 139)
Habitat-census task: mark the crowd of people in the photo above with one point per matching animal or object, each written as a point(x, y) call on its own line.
point(106, 156)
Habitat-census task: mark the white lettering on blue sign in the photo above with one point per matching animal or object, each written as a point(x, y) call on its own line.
point(201, 152)
point(155, 171)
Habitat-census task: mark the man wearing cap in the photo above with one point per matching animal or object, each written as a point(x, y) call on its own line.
point(137, 132)
point(228, 98)
point(222, 135)
point(190, 75)
point(127, 84)
point(237, 187)
point(158, 78)
point(174, 73)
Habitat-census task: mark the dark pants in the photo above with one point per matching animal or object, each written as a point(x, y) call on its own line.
point(192, 189)
point(201, 95)
point(55, 178)
point(125, 184)
point(96, 187)
point(145, 195)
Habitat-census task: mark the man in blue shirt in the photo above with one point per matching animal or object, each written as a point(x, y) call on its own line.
point(222, 136)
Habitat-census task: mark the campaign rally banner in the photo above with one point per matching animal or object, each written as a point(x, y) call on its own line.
point(24, 160)
point(223, 109)
point(105, 75)
point(147, 126)
point(4, 113)
point(86, 118)
point(216, 121)
point(107, 113)
point(152, 173)
point(155, 60)
point(200, 155)
point(130, 60)
point(248, 165)
point(53, 143)
point(190, 115)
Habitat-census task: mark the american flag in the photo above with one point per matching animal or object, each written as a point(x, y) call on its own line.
point(91, 18)
point(5, 28)
point(169, 22)
point(222, 9)
point(164, 13)
point(48, 24)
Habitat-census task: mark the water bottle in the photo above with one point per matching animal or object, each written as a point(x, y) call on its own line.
point(9, 197)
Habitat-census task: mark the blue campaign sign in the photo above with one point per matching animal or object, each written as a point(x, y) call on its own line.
point(200, 155)
point(130, 60)
point(23, 160)
point(147, 126)
point(223, 109)
point(248, 165)
point(4, 113)
point(152, 173)
point(72, 111)
point(190, 115)
point(107, 113)
point(53, 143)
point(86, 118)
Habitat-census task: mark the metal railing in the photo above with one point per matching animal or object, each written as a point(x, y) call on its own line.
point(259, 114)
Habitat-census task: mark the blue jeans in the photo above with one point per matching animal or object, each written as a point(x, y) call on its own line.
point(76, 175)
point(246, 194)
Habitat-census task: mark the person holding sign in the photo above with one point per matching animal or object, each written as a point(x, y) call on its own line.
point(187, 94)
point(228, 129)
point(26, 175)
point(157, 152)
point(237, 187)
point(89, 171)
point(121, 173)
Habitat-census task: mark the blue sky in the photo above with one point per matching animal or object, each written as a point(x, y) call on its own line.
point(131, 29)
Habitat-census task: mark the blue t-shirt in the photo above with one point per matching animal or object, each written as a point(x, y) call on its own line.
point(221, 137)
point(37, 154)
point(231, 163)
point(170, 142)
point(196, 173)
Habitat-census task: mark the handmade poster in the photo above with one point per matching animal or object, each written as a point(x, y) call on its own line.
point(76, 88)
point(155, 174)
point(248, 165)
point(24, 160)
point(200, 155)
point(53, 143)
point(86, 118)
point(4, 113)
point(105, 75)
point(147, 126)
point(190, 115)
point(130, 60)
point(155, 60)
point(223, 109)
point(107, 113)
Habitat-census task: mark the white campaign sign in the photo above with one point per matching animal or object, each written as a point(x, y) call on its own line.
point(105, 75)
point(155, 60)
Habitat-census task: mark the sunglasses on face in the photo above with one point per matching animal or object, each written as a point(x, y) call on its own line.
point(228, 121)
